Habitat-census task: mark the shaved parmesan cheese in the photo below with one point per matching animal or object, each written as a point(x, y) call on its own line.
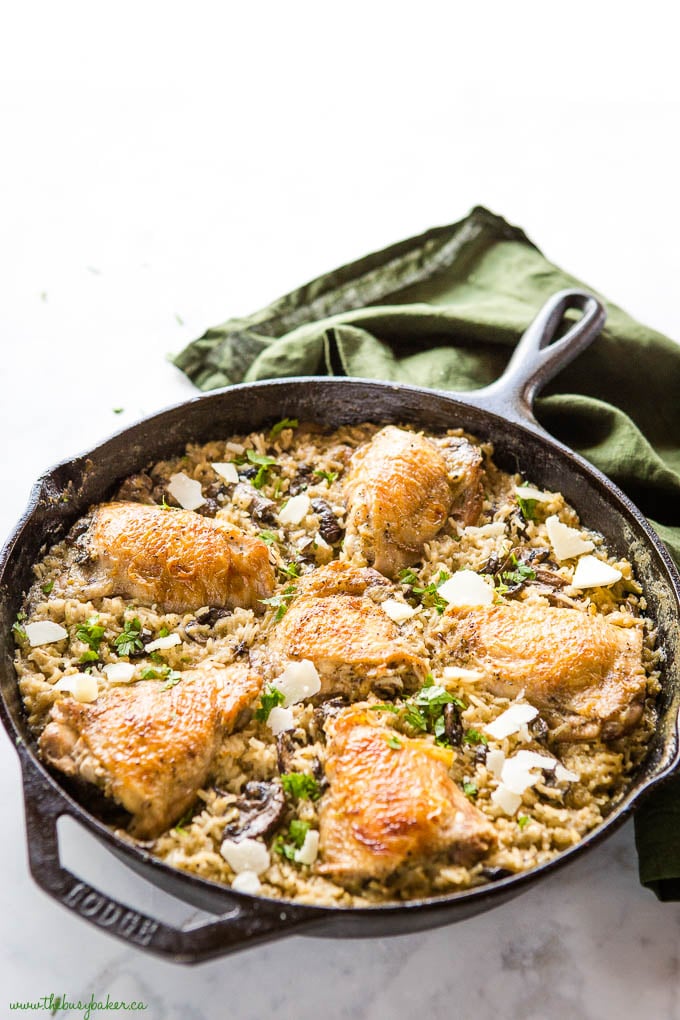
point(566, 542)
point(308, 851)
point(466, 588)
point(120, 672)
point(169, 641)
point(302, 543)
point(234, 448)
point(486, 530)
point(246, 882)
point(320, 541)
point(83, 686)
point(226, 471)
point(510, 721)
point(296, 509)
point(298, 681)
point(246, 855)
point(495, 759)
point(397, 611)
point(44, 632)
point(471, 676)
point(593, 573)
point(186, 491)
point(280, 720)
point(506, 800)
point(529, 492)
point(523, 770)
point(563, 775)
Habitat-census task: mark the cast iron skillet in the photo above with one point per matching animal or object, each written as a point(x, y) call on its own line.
point(502, 413)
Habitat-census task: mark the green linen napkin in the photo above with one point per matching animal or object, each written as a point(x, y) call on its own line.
point(444, 310)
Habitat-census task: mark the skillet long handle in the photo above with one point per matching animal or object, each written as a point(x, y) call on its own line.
point(538, 357)
point(248, 922)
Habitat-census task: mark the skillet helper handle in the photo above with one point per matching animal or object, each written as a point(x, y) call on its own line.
point(248, 922)
point(538, 357)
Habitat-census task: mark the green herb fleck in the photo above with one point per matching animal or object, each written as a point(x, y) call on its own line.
point(473, 736)
point(89, 656)
point(528, 507)
point(285, 423)
point(394, 742)
point(300, 786)
point(47, 587)
point(428, 594)
point(264, 463)
point(523, 821)
point(18, 629)
point(91, 633)
point(268, 537)
point(330, 476)
point(290, 569)
point(173, 679)
point(470, 790)
point(160, 672)
point(280, 601)
point(297, 830)
point(269, 699)
point(117, 410)
point(130, 640)
point(163, 632)
point(383, 708)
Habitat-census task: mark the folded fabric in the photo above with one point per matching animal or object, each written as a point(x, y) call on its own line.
point(444, 310)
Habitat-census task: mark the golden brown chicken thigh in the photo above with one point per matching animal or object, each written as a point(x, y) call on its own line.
point(391, 801)
point(175, 558)
point(401, 489)
point(583, 673)
point(355, 646)
point(147, 747)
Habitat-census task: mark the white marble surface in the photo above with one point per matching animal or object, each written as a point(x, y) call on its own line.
point(164, 170)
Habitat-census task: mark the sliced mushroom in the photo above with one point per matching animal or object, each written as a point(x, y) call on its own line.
point(257, 505)
point(261, 807)
point(329, 529)
point(453, 728)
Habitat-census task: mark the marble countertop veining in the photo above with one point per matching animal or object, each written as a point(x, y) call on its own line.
point(133, 224)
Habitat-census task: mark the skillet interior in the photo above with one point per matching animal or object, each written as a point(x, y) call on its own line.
point(64, 493)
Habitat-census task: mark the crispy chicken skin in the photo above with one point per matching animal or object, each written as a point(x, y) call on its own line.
point(148, 748)
point(354, 645)
point(175, 558)
point(583, 673)
point(401, 488)
point(388, 806)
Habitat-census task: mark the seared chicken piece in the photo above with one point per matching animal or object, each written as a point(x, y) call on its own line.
point(353, 643)
point(401, 488)
point(392, 805)
point(148, 748)
point(175, 558)
point(585, 675)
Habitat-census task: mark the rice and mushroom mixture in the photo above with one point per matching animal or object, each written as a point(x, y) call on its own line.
point(255, 821)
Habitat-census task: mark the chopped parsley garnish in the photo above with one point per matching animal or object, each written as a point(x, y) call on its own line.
point(473, 736)
point(300, 786)
point(383, 708)
point(427, 594)
point(280, 601)
point(18, 628)
point(163, 632)
point(290, 569)
point(89, 656)
point(130, 640)
point(523, 821)
point(269, 699)
point(297, 830)
point(161, 672)
point(394, 742)
point(91, 633)
point(470, 790)
point(47, 587)
point(519, 573)
point(527, 506)
point(285, 423)
point(330, 476)
point(263, 463)
point(268, 537)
